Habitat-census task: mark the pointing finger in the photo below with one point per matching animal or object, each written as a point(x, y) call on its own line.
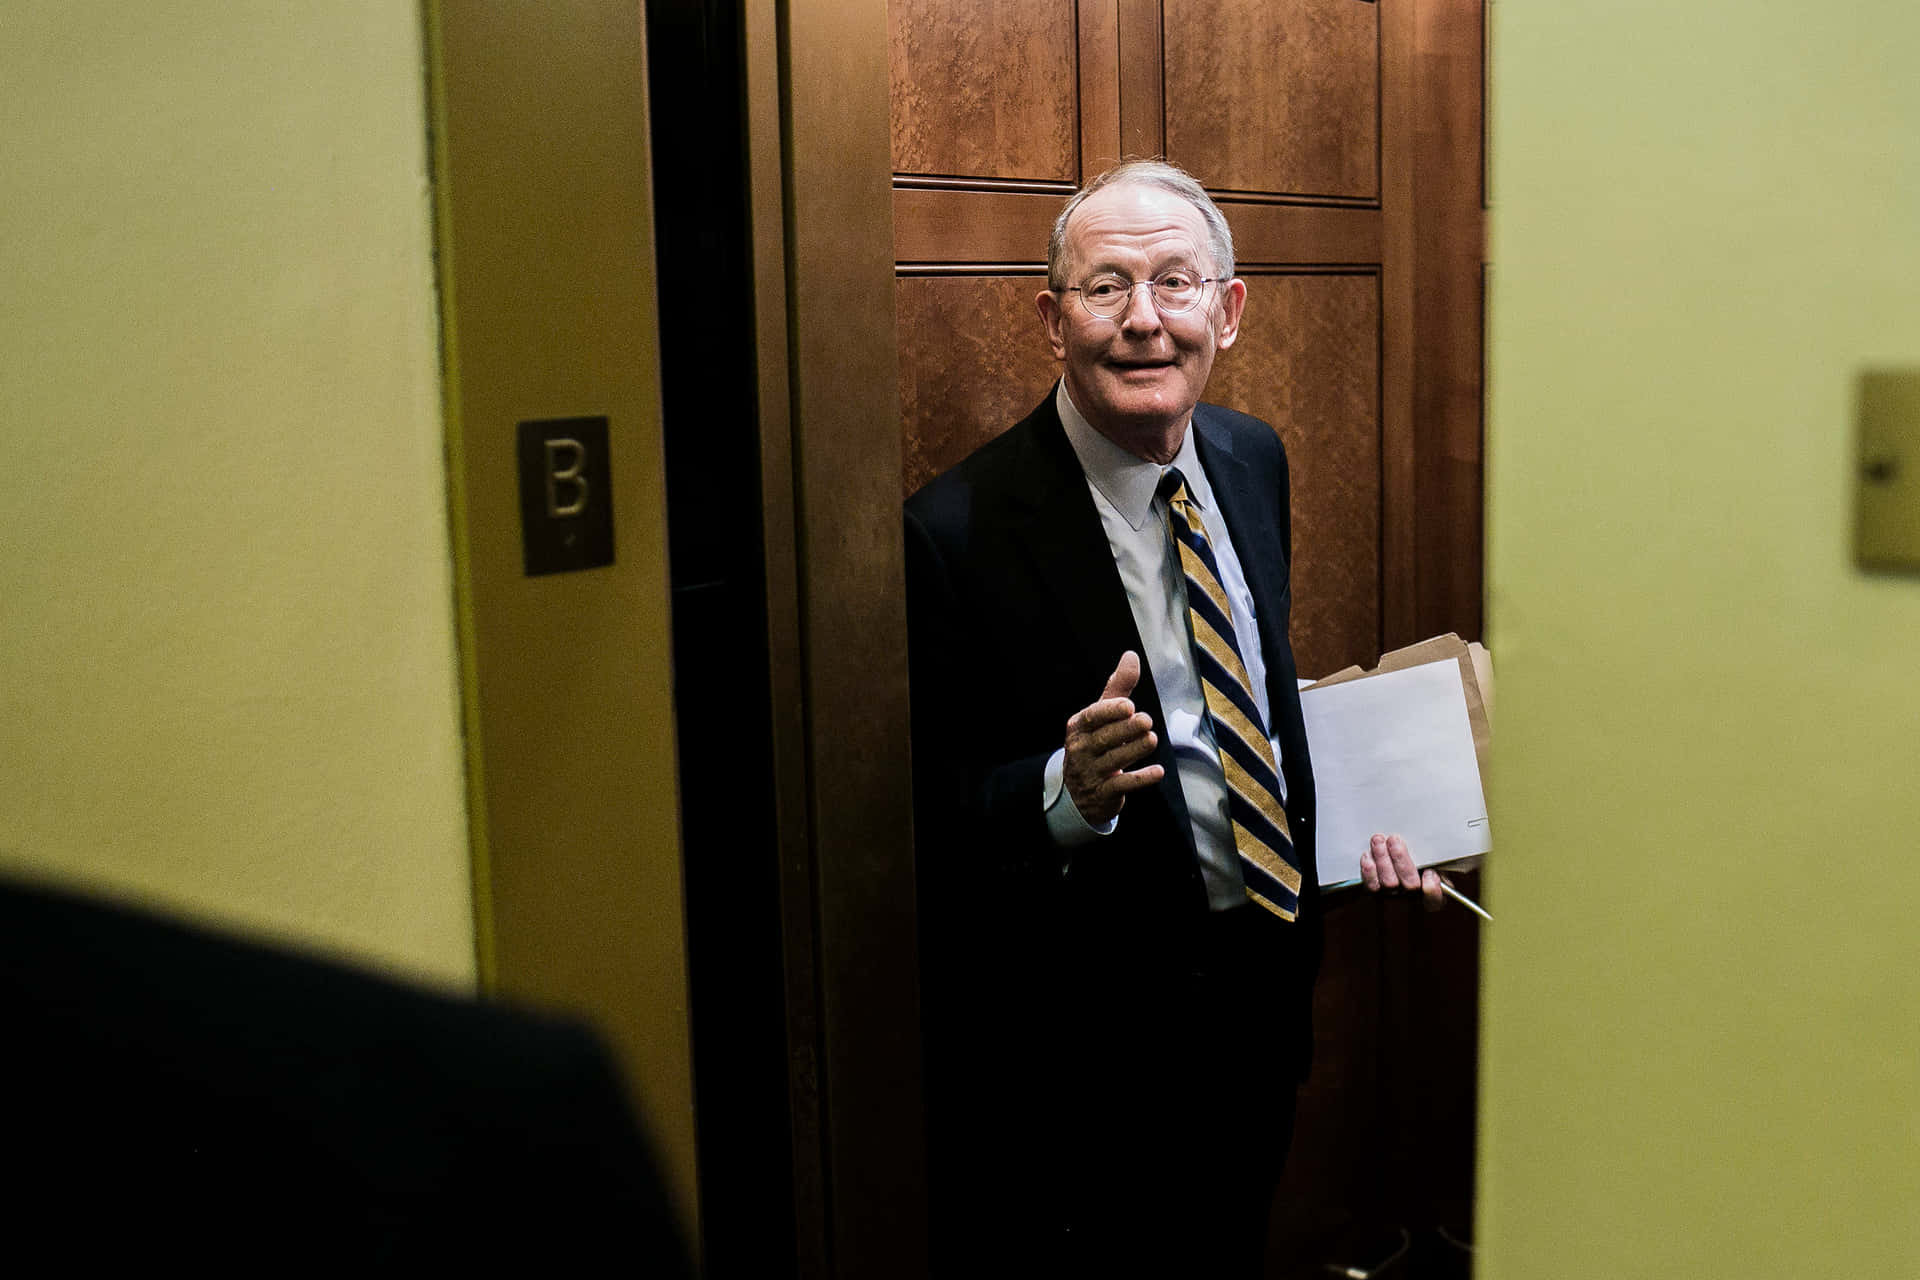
point(1136, 779)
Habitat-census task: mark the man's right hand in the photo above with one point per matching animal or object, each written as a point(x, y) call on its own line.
point(1104, 741)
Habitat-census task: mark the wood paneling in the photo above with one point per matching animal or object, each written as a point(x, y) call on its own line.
point(1451, 240)
point(973, 361)
point(1143, 130)
point(1342, 138)
point(1099, 86)
point(973, 226)
point(1276, 97)
point(1271, 234)
point(985, 89)
point(845, 425)
point(1308, 362)
point(1399, 286)
point(1437, 1012)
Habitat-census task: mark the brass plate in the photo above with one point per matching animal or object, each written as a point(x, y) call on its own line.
point(1887, 470)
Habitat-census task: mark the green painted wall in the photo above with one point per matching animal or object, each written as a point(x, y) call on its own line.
point(226, 619)
point(1701, 1033)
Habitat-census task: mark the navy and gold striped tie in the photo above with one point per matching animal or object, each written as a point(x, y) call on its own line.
point(1260, 832)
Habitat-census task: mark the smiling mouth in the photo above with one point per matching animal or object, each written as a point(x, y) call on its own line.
point(1140, 366)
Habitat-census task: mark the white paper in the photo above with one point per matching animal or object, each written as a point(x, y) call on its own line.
point(1394, 753)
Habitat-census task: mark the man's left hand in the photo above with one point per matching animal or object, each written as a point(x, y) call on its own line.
point(1388, 864)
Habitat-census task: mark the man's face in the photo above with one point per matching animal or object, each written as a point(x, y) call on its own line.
point(1136, 376)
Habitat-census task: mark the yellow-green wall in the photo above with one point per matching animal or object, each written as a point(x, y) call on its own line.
point(226, 618)
point(1701, 1033)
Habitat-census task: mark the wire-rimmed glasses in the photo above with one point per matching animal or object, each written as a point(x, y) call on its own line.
point(1175, 290)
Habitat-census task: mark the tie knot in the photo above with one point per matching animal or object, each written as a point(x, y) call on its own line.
point(1173, 486)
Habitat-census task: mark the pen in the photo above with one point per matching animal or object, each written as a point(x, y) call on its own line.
point(1465, 901)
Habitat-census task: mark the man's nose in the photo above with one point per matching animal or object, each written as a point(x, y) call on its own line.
point(1143, 313)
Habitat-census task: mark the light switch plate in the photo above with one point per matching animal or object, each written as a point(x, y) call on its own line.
point(1887, 470)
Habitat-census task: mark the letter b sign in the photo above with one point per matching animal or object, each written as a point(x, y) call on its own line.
point(566, 495)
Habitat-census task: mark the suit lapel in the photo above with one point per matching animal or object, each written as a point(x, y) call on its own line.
point(1055, 518)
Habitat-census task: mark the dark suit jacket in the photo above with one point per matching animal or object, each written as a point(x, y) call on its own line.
point(1035, 962)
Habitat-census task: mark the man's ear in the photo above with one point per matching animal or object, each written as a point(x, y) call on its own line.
point(1233, 301)
point(1048, 304)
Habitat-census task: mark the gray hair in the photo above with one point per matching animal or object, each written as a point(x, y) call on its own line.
point(1145, 173)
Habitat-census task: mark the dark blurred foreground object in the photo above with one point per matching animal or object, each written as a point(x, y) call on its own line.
point(170, 1095)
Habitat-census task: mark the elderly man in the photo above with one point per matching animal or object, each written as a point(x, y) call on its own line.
point(1114, 796)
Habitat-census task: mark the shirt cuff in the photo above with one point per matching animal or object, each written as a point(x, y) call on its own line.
point(1064, 822)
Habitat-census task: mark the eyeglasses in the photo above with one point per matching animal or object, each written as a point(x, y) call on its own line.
point(1174, 291)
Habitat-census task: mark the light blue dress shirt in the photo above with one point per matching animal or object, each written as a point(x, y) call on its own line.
point(1123, 489)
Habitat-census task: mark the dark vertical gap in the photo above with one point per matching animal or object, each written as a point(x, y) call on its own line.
point(723, 696)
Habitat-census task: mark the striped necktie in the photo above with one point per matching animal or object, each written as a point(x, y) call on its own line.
point(1260, 833)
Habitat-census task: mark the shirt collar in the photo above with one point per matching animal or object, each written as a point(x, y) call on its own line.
point(1126, 481)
